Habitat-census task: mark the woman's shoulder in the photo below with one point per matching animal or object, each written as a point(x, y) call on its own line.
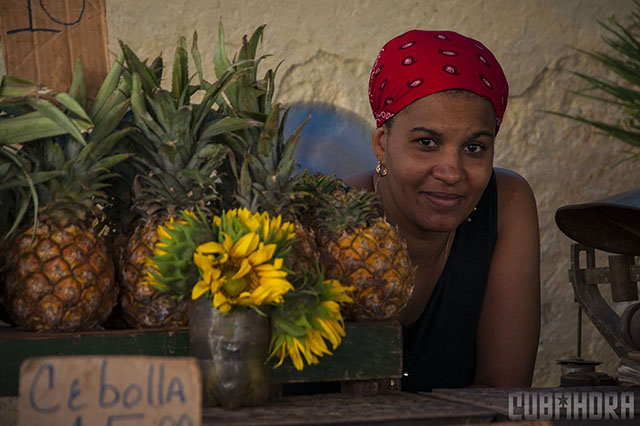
point(362, 180)
point(515, 196)
point(511, 184)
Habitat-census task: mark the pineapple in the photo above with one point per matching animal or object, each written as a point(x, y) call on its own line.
point(260, 169)
point(338, 226)
point(361, 249)
point(175, 169)
point(59, 271)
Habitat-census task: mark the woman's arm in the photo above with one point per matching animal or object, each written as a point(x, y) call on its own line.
point(509, 325)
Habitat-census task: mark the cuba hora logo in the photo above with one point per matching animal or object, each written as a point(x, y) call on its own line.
point(534, 405)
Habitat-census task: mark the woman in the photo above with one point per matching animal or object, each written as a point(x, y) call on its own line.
point(472, 231)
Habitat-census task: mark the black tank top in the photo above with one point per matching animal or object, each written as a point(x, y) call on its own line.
point(440, 347)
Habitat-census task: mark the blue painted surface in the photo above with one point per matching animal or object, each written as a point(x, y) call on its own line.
point(334, 141)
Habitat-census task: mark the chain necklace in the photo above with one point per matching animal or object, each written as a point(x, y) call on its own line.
point(447, 244)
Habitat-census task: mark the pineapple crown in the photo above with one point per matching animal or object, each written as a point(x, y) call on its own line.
point(61, 150)
point(260, 164)
point(333, 207)
point(177, 156)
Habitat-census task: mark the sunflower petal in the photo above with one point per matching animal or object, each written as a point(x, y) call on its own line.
point(199, 289)
point(210, 248)
point(245, 268)
point(245, 245)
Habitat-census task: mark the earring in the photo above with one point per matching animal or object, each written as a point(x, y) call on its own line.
point(469, 217)
point(381, 169)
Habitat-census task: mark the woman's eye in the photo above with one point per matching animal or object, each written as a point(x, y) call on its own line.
point(426, 142)
point(474, 148)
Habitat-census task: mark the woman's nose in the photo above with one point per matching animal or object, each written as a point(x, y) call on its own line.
point(449, 167)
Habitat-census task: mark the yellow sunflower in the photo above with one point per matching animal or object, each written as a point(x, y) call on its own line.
point(315, 324)
point(243, 271)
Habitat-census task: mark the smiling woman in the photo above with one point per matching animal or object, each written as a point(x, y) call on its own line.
point(438, 99)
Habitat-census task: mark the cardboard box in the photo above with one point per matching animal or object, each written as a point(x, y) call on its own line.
point(43, 40)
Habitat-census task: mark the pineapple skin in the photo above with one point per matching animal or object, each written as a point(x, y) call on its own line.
point(375, 261)
point(142, 305)
point(304, 250)
point(63, 281)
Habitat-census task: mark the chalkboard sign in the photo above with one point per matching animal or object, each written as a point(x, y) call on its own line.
point(110, 391)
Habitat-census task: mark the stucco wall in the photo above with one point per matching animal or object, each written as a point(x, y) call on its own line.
point(328, 47)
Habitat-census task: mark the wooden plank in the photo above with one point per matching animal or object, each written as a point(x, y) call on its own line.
point(370, 350)
point(19, 345)
point(341, 409)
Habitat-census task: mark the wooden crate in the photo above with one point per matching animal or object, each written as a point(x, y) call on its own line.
point(370, 351)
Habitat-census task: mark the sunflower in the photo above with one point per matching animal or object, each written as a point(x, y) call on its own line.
point(300, 329)
point(240, 269)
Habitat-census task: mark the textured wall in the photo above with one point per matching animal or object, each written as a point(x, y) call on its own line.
point(328, 47)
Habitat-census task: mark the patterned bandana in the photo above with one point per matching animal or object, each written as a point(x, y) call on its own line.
point(419, 63)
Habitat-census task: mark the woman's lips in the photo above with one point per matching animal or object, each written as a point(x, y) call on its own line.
point(443, 200)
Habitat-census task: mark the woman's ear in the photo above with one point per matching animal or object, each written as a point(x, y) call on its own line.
point(379, 142)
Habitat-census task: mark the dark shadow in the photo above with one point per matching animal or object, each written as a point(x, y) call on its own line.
point(334, 141)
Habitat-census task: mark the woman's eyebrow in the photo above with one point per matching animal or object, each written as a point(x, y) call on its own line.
point(421, 129)
point(481, 133)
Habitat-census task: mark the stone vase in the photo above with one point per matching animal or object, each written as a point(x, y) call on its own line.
point(232, 349)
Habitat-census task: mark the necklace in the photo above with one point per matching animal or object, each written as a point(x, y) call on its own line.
point(447, 244)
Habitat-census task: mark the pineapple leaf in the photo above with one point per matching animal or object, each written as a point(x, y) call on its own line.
point(142, 116)
point(107, 87)
point(269, 131)
point(163, 108)
point(72, 105)
point(50, 111)
point(180, 76)
point(121, 94)
point(54, 155)
point(244, 184)
point(78, 89)
point(17, 87)
point(248, 50)
point(221, 62)
point(110, 122)
point(204, 108)
point(227, 125)
point(28, 127)
point(197, 60)
point(108, 162)
point(148, 79)
point(156, 68)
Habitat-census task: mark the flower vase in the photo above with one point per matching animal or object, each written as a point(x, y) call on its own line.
point(232, 349)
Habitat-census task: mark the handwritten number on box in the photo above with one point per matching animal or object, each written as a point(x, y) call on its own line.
point(50, 16)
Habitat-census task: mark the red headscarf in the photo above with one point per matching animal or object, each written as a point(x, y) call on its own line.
point(419, 63)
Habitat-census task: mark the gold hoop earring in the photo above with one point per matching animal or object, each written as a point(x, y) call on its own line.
point(381, 169)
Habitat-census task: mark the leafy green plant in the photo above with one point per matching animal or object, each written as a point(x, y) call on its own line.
point(624, 93)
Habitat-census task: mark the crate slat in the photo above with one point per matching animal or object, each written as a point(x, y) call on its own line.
point(370, 350)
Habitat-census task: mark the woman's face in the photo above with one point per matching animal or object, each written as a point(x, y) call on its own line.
point(439, 157)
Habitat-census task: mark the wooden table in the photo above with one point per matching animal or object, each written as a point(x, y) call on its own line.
point(442, 406)
point(344, 409)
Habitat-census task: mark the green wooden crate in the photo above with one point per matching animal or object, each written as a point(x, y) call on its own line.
point(370, 350)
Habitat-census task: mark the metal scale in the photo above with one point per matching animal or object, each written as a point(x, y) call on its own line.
point(612, 225)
